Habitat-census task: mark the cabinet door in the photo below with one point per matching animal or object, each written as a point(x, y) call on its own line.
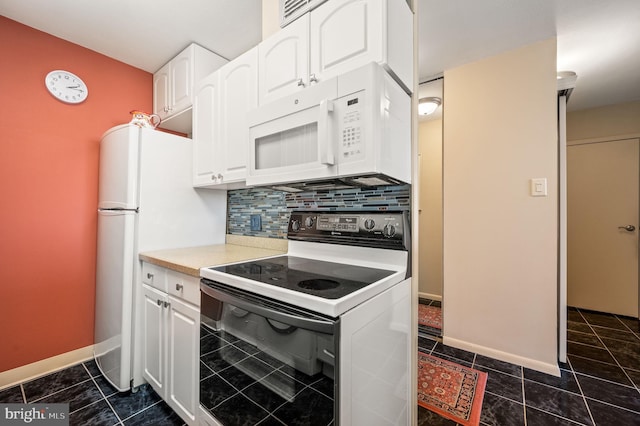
point(184, 356)
point(238, 95)
point(283, 61)
point(206, 131)
point(181, 82)
point(345, 35)
point(154, 338)
point(161, 91)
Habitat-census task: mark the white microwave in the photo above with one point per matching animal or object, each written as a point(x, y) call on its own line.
point(355, 128)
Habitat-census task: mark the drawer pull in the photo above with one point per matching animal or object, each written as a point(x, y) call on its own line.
point(149, 275)
point(179, 287)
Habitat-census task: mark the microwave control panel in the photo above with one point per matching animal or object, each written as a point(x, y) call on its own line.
point(351, 137)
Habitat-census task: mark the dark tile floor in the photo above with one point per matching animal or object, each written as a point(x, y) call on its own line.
point(92, 400)
point(600, 385)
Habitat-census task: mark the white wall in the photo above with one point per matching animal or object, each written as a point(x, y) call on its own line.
point(500, 244)
point(430, 236)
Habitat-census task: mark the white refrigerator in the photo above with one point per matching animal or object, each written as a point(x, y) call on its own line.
point(146, 201)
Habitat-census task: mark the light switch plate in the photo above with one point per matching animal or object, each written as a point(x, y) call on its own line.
point(256, 222)
point(539, 187)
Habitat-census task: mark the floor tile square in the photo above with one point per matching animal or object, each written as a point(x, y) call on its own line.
point(582, 327)
point(12, 395)
point(590, 352)
point(611, 333)
point(309, 408)
point(97, 414)
point(622, 396)
point(602, 319)
point(536, 417)
point(566, 381)
point(429, 418)
point(54, 382)
point(599, 369)
point(498, 411)
point(77, 396)
point(159, 414)
point(585, 339)
point(239, 410)
point(559, 402)
point(126, 404)
point(605, 414)
point(503, 385)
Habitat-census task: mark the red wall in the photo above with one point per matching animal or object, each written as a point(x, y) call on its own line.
point(48, 189)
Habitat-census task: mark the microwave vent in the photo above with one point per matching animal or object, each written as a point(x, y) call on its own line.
point(290, 10)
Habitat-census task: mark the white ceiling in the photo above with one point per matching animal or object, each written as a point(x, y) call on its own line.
point(598, 39)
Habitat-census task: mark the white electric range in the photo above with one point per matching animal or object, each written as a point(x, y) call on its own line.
point(327, 325)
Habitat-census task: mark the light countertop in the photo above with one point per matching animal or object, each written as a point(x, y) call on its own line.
point(238, 248)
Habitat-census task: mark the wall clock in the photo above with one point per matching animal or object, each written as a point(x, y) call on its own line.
point(66, 87)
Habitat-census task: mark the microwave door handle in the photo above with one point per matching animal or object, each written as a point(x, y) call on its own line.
point(325, 144)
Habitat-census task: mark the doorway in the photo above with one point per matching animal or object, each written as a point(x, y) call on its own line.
point(430, 286)
point(602, 232)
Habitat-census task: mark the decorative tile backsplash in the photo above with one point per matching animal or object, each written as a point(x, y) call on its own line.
point(274, 207)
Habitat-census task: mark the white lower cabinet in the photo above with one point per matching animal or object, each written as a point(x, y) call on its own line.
point(171, 343)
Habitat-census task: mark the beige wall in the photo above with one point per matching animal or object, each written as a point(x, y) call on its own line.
point(500, 244)
point(430, 236)
point(611, 120)
point(270, 17)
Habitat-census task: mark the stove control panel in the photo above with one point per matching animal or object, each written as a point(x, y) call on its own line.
point(363, 228)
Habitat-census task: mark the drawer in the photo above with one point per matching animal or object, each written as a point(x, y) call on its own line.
point(155, 276)
point(184, 286)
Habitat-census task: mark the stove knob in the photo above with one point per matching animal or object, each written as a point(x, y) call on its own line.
point(389, 231)
point(295, 225)
point(369, 224)
point(308, 222)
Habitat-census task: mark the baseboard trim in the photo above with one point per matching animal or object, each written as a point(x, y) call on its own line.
point(43, 367)
point(430, 296)
point(533, 364)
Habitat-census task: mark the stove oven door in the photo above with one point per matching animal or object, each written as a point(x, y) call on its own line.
point(262, 359)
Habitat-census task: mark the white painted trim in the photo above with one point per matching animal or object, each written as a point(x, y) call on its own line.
point(533, 364)
point(43, 367)
point(430, 296)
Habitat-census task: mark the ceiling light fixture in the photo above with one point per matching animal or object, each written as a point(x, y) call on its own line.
point(427, 106)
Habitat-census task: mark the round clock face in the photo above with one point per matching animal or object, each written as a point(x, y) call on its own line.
point(66, 87)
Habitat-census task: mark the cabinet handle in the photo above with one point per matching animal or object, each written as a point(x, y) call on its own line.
point(167, 304)
point(149, 276)
point(179, 287)
point(300, 82)
point(219, 176)
point(159, 302)
point(313, 79)
point(213, 177)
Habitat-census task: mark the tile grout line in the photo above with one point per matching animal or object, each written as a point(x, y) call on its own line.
point(575, 377)
point(524, 396)
point(610, 353)
point(103, 396)
point(24, 395)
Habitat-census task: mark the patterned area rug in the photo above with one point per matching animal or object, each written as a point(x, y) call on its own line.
point(451, 390)
point(430, 316)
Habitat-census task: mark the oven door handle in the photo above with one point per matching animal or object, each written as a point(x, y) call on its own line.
point(319, 325)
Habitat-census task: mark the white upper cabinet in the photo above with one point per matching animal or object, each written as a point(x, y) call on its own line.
point(348, 34)
point(283, 61)
point(335, 38)
point(174, 83)
point(221, 132)
point(206, 131)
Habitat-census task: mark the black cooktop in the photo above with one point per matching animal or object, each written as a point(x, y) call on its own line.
point(330, 280)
